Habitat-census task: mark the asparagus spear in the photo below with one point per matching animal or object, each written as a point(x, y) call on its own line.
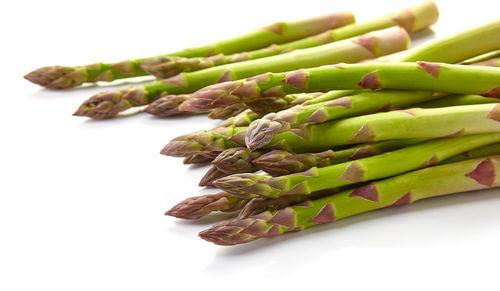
point(428, 76)
point(108, 104)
point(400, 161)
point(266, 128)
point(411, 123)
point(280, 162)
point(206, 141)
point(452, 178)
point(411, 19)
point(280, 32)
point(199, 206)
point(236, 160)
point(482, 58)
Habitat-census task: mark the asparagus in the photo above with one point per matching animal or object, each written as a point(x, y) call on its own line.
point(411, 19)
point(206, 141)
point(279, 162)
point(236, 160)
point(199, 206)
point(403, 160)
point(411, 123)
point(280, 32)
point(108, 104)
point(399, 190)
point(428, 76)
point(265, 129)
point(494, 62)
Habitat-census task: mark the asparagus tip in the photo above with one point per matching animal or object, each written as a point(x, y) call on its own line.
point(57, 77)
point(212, 174)
point(166, 106)
point(261, 132)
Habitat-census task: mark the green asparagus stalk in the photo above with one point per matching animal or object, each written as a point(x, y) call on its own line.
point(199, 206)
point(411, 19)
point(280, 32)
point(265, 129)
point(108, 104)
point(452, 178)
point(494, 62)
point(243, 119)
point(279, 162)
point(411, 123)
point(206, 141)
point(438, 77)
point(315, 179)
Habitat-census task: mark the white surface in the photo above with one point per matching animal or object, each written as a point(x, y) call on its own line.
point(82, 202)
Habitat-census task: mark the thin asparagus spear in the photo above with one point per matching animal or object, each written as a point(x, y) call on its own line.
point(452, 178)
point(411, 19)
point(109, 103)
point(210, 176)
point(281, 32)
point(275, 104)
point(166, 105)
point(242, 119)
point(489, 150)
point(392, 163)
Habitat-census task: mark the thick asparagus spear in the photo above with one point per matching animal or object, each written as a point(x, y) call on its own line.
point(411, 123)
point(392, 163)
point(437, 77)
point(411, 19)
point(266, 128)
point(279, 162)
point(108, 104)
point(452, 178)
point(280, 32)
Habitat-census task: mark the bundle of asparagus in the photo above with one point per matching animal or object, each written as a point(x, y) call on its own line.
point(383, 137)
point(339, 117)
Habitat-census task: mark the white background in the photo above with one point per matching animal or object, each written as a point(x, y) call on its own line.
point(82, 202)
